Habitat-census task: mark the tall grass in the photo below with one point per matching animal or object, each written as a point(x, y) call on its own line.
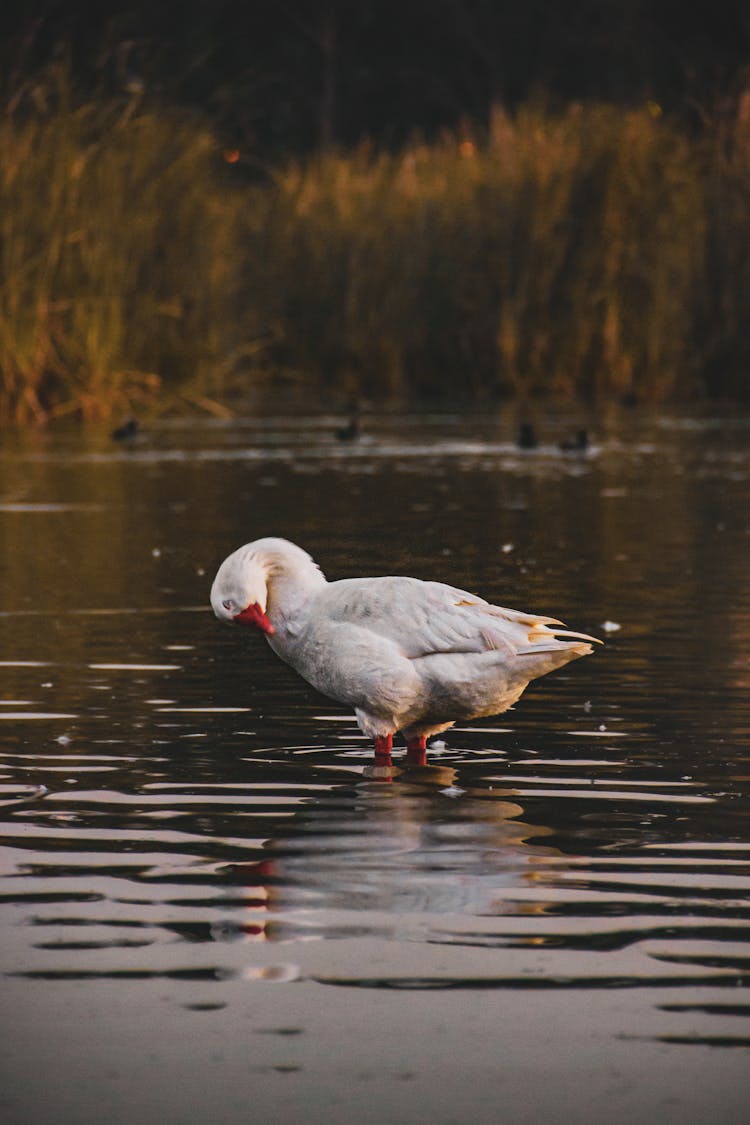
point(118, 254)
point(722, 329)
point(556, 254)
point(596, 252)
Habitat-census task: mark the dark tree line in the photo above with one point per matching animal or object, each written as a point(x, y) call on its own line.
point(294, 75)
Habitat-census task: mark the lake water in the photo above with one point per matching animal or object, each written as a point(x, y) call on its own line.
point(210, 909)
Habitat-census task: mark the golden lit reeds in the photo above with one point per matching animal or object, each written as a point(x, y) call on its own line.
point(118, 252)
point(598, 252)
point(558, 254)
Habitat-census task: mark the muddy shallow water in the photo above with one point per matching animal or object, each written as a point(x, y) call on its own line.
point(209, 907)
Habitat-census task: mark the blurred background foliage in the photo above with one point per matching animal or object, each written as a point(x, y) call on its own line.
point(444, 200)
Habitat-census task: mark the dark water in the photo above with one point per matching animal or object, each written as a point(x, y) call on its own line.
point(210, 911)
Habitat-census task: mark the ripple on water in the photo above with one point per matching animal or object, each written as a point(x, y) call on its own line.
point(209, 822)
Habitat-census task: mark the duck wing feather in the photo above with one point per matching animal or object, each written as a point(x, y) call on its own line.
point(427, 618)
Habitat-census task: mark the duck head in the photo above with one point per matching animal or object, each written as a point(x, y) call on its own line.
point(270, 578)
point(240, 590)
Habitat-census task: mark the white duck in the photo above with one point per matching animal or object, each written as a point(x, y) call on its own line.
point(407, 655)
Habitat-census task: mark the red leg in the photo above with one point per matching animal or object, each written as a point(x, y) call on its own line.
point(383, 744)
point(416, 751)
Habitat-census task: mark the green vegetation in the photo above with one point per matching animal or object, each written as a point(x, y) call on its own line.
point(599, 252)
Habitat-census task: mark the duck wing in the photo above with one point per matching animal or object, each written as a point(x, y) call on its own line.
point(429, 618)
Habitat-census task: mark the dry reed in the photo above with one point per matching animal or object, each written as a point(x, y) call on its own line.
point(597, 252)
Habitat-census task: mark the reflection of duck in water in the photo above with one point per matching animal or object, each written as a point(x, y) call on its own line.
point(407, 655)
point(362, 851)
point(414, 770)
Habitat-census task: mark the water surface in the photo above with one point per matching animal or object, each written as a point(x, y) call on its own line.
point(210, 907)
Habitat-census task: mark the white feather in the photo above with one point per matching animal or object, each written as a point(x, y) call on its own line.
point(404, 654)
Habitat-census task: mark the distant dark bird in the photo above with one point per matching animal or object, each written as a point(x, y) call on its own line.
point(526, 436)
point(351, 431)
point(577, 444)
point(127, 431)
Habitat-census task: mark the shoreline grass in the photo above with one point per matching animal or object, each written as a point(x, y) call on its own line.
point(115, 266)
point(561, 255)
point(597, 253)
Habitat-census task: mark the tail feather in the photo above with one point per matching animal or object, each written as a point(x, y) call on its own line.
point(543, 639)
point(576, 636)
point(570, 650)
point(533, 620)
point(536, 660)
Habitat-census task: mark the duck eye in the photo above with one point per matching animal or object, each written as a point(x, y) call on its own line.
point(228, 606)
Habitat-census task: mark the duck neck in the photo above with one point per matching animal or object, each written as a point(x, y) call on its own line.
point(291, 583)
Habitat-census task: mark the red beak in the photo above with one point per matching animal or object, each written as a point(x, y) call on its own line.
point(254, 615)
